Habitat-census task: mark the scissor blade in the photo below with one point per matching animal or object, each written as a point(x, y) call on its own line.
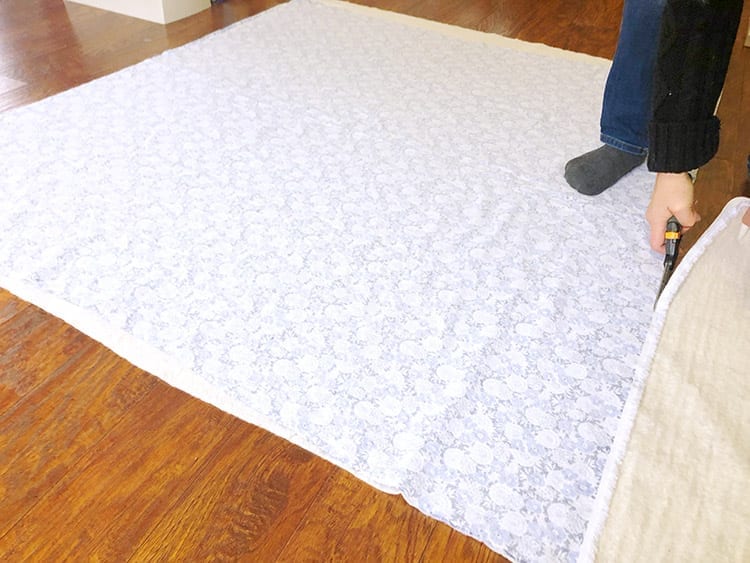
point(664, 279)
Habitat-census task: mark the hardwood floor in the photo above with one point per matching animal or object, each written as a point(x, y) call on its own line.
point(102, 461)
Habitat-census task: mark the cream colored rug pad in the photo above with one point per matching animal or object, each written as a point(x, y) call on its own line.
point(683, 491)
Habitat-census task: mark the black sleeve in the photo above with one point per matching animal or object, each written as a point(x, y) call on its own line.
point(695, 45)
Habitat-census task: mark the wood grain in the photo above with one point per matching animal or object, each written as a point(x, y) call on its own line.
point(135, 470)
point(271, 483)
point(35, 347)
point(52, 416)
point(101, 461)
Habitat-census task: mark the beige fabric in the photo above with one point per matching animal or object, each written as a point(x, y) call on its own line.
point(683, 492)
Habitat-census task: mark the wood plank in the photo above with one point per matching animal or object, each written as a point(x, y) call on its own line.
point(562, 24)
point(271, 483)
point(379, 518)
point(322, 534)
point(137, 469)
point(455, 12)
point(105, 389)
point(740, 66)
point(10, 305)
point(449, 546)
point(35, 346)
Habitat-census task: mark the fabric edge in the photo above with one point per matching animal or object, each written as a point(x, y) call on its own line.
point(610, 475)
point(167, 369)
point(162, 366)
point(466, 34)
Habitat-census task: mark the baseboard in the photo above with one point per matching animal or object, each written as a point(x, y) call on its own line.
point(177, 9)
point(159, 11)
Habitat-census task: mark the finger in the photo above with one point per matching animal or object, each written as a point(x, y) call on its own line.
point(687, 218)
point(657, 223)
point(656, 238)
point(685, 229)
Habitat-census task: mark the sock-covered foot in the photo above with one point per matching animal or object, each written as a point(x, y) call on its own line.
point(595, 171)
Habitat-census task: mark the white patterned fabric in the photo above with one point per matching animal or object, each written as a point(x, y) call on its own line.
point(353, 230)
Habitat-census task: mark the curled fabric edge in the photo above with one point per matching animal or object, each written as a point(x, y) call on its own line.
point(610, 475)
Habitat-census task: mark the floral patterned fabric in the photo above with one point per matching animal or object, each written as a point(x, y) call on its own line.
point(354, 231)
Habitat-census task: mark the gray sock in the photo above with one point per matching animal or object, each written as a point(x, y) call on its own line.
point(595, 171)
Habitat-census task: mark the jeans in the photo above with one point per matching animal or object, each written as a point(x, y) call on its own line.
point(626, 109)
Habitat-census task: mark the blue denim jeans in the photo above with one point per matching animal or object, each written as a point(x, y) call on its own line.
point(626, 108)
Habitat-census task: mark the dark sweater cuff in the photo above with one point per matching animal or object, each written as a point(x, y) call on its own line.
point(682, 145)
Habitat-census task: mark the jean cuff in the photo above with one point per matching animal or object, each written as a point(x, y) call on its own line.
point(623, 146)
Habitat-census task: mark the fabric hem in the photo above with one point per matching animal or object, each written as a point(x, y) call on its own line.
point(161, 365)
point(618, 144)
point(610, 475)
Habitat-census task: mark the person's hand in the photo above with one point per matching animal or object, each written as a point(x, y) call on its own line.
point(672, 195)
